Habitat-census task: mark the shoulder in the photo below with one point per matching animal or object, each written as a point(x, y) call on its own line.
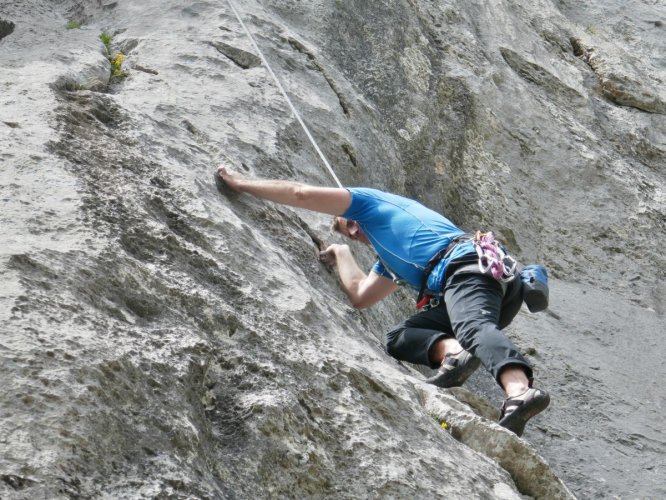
point(372, 193)
point(368, 204)
point(371, 196)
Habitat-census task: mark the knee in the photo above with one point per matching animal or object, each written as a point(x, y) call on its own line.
point(473, 332)
point(391, 339)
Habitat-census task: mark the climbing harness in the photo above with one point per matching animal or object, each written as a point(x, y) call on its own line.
point(493, 259)
point(284, 93)
point(426, 299)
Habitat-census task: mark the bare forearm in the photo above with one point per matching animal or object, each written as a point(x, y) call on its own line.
point(362, 289)
point(327, 200)
point(351, 276)
point(284, 192)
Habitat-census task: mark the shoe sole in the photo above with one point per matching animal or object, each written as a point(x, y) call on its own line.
point(516, 420)
point(455, 377)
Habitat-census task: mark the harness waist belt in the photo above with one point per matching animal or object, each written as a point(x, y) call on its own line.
point(442, 254)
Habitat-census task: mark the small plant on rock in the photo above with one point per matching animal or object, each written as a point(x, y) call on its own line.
point(73, 24)
point(106, 40)
point(117, 66)
point(116, 61)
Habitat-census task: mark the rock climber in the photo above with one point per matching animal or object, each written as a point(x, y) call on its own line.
point(467, 305)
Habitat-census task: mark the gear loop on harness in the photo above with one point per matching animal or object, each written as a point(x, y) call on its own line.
point(493, 259)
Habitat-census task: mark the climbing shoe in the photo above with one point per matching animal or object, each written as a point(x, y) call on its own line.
point(517, 411)
point(455, 369)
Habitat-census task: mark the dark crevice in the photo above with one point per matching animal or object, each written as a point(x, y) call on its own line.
point(538, 75)
point(143, 69)
point(612, 88)
point(578, 49)
point(191, 128)
point(331, 83)
point(349, 150)
point(241, 58)
point(16, 482)
point(6, 28)
point(319, 243)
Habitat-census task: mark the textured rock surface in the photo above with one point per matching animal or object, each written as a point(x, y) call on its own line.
point(157, 339)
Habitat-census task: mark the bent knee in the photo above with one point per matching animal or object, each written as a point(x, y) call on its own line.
point(391, 340)
point(475, 329)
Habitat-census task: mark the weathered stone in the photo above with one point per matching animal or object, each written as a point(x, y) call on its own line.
point(622, 81)
point(540, 76)
point(244, 59)
point(531, 474)
point(159, 339)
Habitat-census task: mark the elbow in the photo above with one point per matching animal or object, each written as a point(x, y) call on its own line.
point(360, 303)
point(360, 297)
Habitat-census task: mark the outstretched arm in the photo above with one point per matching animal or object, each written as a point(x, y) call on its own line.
point(362, 289)
point(333, 201)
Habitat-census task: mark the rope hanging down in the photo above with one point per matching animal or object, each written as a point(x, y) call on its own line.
point(277, 82)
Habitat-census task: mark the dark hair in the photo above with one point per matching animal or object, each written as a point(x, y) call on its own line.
point(335, 225)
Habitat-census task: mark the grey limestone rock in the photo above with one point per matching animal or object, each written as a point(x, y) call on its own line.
point(160, 339)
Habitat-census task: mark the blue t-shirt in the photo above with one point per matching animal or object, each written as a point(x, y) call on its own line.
point(405, 235)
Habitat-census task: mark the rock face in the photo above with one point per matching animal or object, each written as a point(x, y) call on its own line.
point(158, 339)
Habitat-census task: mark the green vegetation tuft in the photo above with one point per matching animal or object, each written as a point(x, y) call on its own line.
point(106, 40)
point(73, 24)
point(116, 61)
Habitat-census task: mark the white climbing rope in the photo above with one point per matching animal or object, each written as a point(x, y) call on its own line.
point(277, 82)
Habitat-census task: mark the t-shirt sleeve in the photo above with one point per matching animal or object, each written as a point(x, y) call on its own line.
point(363, 207)
point(379, 268)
